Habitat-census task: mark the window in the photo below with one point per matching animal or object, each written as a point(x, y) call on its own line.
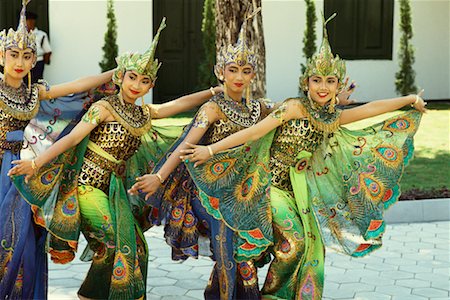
point(362, 28)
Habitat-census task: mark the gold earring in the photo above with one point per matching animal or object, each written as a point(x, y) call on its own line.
point(142, 100)
point(247, 97)
point(29, 80)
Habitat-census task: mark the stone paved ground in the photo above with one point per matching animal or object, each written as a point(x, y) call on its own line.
point(413, 264)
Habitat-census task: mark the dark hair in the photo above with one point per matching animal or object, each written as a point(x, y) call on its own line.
point(30, 15)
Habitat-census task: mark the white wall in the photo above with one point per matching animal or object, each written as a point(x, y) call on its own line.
point(77, 34)
point(77, 29)
point(284, 24)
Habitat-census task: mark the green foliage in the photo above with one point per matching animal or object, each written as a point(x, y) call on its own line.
point(309, 36)
point(110, 48)
point(206, 74)
point(405, 77)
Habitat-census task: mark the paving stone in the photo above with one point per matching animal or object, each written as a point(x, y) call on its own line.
point(176, 298)
point(415, 269)
point(371, 296)
point(369, 260)
point(58, 274)
point(360, 273)
point(444, 258)
point(191, 284)
point(413, 283)
point(442, 271)
point(348, 265)
point(169, 291)
point(160, 281)
point(393, 290)
point(66, 282)
point(199, 262)
point(175, 267)
point(419, 256)
point(357, 287)
point(409, 297)
point(397, 275)
point(156, 273)
point(338, 293)
point(430, 292)
point(382, 267)
point(196, 294)
point(441, 284)
point(435, 263)
point(399, 261)
point(184, 275)
point(431, 277)
point(378, 280)
point(334, 270)
point(384, 253)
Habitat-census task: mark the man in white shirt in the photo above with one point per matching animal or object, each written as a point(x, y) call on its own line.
point(44, 51)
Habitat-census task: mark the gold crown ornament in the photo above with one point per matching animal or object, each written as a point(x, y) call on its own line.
point(324, 63)
point(240, 53)
point(144, 64)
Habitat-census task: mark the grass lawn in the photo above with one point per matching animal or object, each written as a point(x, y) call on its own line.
point(430, 167)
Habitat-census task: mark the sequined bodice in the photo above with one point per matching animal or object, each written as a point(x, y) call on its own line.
point(236, 118)
point(120, 139)
point(290, 139)
point(115, 139)
point(17, 108)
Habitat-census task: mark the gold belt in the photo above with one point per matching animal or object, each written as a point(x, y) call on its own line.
point(118, 168)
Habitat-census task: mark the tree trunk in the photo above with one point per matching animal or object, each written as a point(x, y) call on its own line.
point(229, 17)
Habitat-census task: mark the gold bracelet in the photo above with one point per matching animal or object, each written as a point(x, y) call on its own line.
point(210, 151)
point(213, 92)
point(160, 178)
point(337, 100)
point(33, 164)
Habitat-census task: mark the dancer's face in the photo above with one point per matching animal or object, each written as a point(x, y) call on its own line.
point(238, 78)
point(135, 85)
point(18, 63)
point(322, 88)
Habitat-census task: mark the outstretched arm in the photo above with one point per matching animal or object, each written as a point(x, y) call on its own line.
point(379, 107)
point(183, 104)
point(76, 86)
point(149, 183)
point(288, 111)
point(94, 116)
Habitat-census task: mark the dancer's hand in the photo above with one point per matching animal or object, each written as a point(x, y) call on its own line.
point(347, 91)
point(147, 184)
point(23, 167)
point(419, 103)
point(196, 153)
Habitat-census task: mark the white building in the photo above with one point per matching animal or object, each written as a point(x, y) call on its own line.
point(77, 29)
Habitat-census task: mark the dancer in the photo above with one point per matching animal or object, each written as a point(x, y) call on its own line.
point(89, 167)
point(329, 185)
point(23, 262)
point(235, 239)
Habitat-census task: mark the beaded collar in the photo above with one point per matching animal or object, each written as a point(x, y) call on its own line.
point(20, 103)
point(239, 113)
point(136, 119)
point(319, 116)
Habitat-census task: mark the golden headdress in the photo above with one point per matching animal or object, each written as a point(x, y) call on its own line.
point(19, 38)
point(324, 63)
point(144, 64)
point(240, 53)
